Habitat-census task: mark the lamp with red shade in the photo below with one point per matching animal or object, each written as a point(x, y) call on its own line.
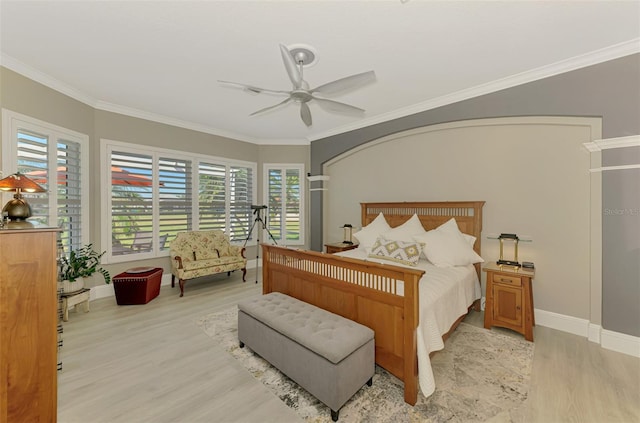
point(17, 209)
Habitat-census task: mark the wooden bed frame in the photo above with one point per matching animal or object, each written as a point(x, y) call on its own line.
point(368, 292)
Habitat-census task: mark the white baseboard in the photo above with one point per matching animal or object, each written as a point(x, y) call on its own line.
point(594, 333)
point(607, 339)
point(621, 342)
point(562, 322)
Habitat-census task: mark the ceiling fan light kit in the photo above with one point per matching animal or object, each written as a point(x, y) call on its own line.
point(295, 59)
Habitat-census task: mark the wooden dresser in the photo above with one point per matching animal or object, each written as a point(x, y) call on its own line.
point(28, 325)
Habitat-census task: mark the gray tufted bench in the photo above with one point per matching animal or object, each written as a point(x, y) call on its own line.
point(329, 356)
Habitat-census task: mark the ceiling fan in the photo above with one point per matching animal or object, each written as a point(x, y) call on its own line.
point(294, 62)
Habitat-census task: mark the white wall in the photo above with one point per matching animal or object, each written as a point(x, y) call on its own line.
point(533, 173)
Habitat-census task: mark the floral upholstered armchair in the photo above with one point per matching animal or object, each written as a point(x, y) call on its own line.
point(202, 253)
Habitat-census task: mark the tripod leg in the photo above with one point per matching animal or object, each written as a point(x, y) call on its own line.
point(269, 232)
point(258, 246)
point(258, 219)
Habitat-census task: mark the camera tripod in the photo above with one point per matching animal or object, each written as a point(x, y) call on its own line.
point(257, 210)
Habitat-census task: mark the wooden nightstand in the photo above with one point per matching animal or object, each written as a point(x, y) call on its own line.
point(509, 299)
point(337, 247)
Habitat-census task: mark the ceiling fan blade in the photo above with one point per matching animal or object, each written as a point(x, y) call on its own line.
point(286, 100)
point(291, 66)
point(253, 89)
point(336, 106)
point(346, 83)
point(305, 114)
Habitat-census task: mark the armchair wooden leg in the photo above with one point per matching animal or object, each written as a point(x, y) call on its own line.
point(173, 281)
point(181, 282)
point(244, 273)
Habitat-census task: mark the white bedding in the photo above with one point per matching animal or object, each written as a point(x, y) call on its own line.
point(445, 295)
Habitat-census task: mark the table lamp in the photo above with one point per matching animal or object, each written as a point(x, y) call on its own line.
point(348, 234)
point(509, 262)
point(17, 209)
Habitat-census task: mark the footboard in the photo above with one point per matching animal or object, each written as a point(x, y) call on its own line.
point(379, 296)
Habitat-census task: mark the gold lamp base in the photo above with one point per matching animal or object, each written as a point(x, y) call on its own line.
point(17, 209)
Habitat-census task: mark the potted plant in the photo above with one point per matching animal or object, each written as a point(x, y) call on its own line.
point(80, 264)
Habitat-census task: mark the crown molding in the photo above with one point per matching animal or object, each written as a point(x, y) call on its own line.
point(50, 82)
point(154, 117)
point(609, 143)
point(44, 79)
point(592, 58)
point(599, 56)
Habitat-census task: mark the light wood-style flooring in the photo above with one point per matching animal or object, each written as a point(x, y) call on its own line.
point(151, 363)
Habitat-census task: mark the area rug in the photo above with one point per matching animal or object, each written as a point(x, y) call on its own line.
point(481, 376)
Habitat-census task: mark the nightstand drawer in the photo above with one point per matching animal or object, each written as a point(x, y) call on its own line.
point(510, 280)
point(339, 247)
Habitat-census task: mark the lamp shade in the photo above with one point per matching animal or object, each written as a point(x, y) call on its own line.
point(19, 182)
point(17, 208)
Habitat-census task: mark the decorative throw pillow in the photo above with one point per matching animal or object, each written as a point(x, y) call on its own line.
point(406, 231)
point(398, 251)
point(367, 236)
point(446, 246)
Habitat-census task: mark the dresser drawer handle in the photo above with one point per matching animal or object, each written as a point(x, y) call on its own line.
point(505, 280)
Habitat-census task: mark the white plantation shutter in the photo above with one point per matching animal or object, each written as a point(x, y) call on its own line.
point(175, 199)
point(33, 160)
point(69, 193)
point(292, 206)
point(212, 196)
point(152, 197)
point(54, 158)
point(275, 212)
point(131, 202)
point(284, 188)
point(240, 199)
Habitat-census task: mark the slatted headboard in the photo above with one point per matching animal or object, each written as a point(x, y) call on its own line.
point(468, 215)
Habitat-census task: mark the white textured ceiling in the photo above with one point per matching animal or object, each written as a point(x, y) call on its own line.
point(161, 60)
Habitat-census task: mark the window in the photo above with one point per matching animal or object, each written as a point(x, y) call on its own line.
point(131, 185)
point(175, 199)
point(151, 197)
point(284, 189)
point(55, 158)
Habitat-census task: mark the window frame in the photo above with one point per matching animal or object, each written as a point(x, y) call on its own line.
point(266, 168)
point(12, 124)
point(108, 145)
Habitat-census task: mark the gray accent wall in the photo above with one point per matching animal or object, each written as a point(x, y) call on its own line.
point(609, 90)
point(621, 242)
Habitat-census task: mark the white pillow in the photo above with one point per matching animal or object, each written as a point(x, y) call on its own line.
point(406, 231)
point(451, 226)
point(446, 246)
point(368, 235)
point(471, 240)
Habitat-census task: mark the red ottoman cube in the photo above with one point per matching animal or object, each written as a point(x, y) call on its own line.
point(138, 285)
